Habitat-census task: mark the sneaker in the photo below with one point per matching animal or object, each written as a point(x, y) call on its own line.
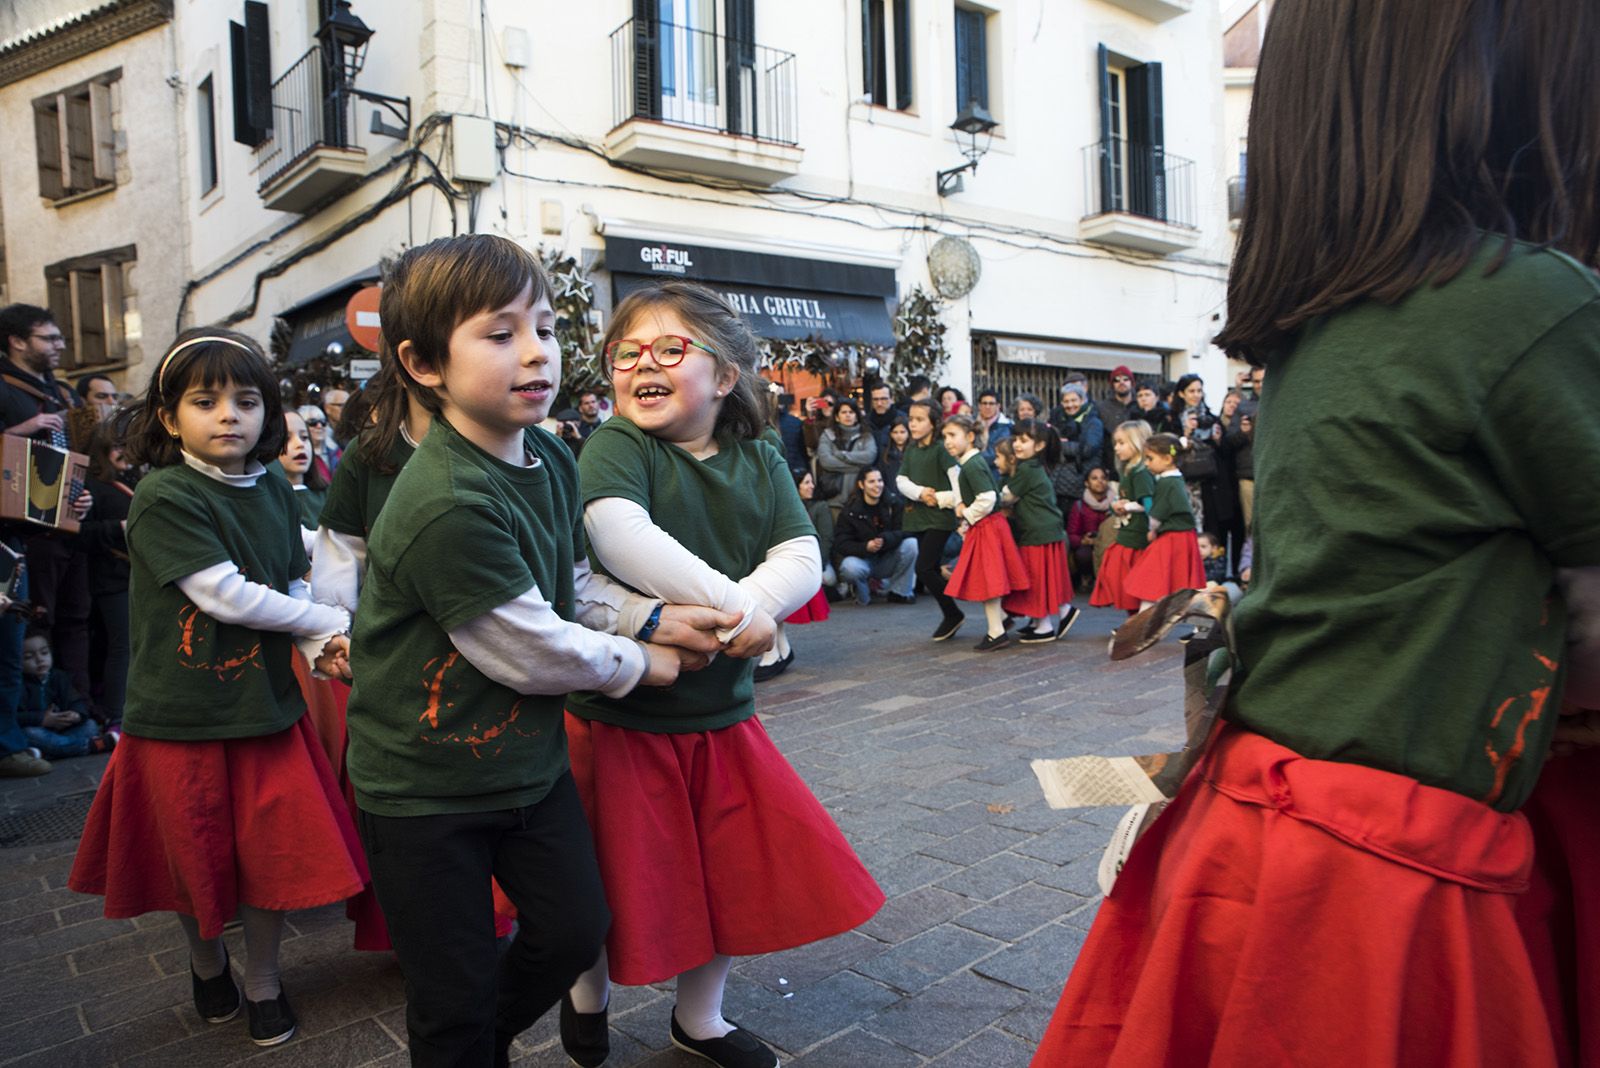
point(216, 999)
point(584, 1035)
point(774, 669)
point(989, 645)
point(947, 627)
point(1035, 637)
point(1068, 618)
point(900, 598)
point(22, 765)
point(736, 1049)
point(271, 1022)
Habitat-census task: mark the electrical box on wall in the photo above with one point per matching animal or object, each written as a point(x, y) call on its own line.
point(517, 47)
point(472, 151)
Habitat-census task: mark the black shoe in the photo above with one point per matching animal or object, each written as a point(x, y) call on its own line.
point(1034, 637)
point(989, 645)
point(1067, 620)
point(271, 1022)
point(774, 669)
point(736, 1049)
point(900, 598)
point(584, 1035)
point(947, 627)
point(216, 1000)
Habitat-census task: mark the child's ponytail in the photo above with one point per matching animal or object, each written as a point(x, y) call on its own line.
point(1167, 445)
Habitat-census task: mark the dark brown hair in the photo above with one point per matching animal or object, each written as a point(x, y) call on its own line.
point(743, 412)
point(1046, 435)
point(1390, 139)
point(935, 416)
point(386, 412)
point(312, 477)
point(232, 357)
point(432, 289)
point(106, 436)
point(1165, 445)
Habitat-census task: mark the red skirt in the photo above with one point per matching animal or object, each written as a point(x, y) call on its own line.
point(990, 565)
point(709, 843)
point(1110, 585)
point(1306, 912)
point(1049, 582)
point(813, 611)
point(1560, 913)
point(203, 827)
point(325, 709)
point(1171, 563)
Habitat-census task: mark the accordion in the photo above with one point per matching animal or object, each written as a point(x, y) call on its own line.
point(39, 482)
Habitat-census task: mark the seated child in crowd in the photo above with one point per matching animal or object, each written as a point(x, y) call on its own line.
point(51, 713)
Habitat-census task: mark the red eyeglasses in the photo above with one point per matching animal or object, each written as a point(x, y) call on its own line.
point(668, 350)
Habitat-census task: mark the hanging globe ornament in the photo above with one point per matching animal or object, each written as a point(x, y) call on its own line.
point(954, 266)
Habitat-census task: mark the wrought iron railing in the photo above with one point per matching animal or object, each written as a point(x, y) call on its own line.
point(305, 116)
point(1236, 198)
point(710, 81)
point(1124, 176)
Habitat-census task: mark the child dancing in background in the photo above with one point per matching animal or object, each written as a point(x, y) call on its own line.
point(1135, 494)
point(989, 567)
point(1172, 560)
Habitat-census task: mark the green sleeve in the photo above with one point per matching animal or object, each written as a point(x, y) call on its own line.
point(1549, 399)
point(173, 532)
point(616, 463)
point(789, 519)
point(341, 512)
point(453, 586)
point(289, 510)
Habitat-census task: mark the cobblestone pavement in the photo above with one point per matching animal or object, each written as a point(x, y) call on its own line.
point(919, 750)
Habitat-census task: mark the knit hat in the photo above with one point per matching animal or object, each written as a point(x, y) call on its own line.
point(1120, 370)
point(1075, 387)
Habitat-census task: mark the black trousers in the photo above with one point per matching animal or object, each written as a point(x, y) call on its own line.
point(58, 582)
point(930, 554)
point(432, 873)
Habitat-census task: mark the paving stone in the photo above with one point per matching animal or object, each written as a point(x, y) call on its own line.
point(859, 1049)
point(911, 872)
point(806, 965)
point(121, 1045)
point(1080, 876)
point(811, 1015)
point(1065, 843)
point(994, 876)
point(911, 914)
point(920, 962)
point(1039, 963)
point(944, 1015)
point(39, 1032)
point(1014, 915)
point(979, 843)
point(986, 1049)
point(1029, 1022)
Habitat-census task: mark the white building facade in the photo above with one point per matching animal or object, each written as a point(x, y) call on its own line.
point(787, 154)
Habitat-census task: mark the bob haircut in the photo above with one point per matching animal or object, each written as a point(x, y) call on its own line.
point(1390, 140)
point(1137, 432)
point(434, 288)
point(234, 358)
point(743, 413)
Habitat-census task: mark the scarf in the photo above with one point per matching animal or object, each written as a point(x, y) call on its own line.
point(1101, 503)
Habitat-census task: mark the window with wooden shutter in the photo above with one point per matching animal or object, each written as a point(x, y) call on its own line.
point(205, 116)
point(75, 138)
point(89, 299)
point(972, 59)
point(902, 54)
point(874, 64)
point(1133, 160)
point(886, 52)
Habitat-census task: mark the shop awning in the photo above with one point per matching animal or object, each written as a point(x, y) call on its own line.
point(788, 298)
point(1080, 356)
point(318, 320)
point(794, 314)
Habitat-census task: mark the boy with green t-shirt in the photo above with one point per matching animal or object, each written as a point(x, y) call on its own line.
point(464, 649)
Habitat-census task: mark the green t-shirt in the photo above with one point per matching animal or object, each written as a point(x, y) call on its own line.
point(821, 520)
point(1037, 514)
point(729, 510)
point(1171, 505)
point(928, 465)
point(192, 678)
point(1422, 469)
point(1137, 484)
point(358, 491)
point(309, 502)
point(975, 478)
point(430, 733)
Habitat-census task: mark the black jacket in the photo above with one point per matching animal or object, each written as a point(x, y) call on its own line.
point(24, 395)
point(860, 522)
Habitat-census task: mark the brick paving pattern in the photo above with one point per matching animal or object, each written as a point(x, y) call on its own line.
point(919, 750)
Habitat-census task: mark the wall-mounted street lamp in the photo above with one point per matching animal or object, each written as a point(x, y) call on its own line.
point(344, 38)
point(973, 122)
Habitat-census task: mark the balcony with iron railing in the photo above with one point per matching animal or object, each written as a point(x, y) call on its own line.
point(1139, 197)
point(311, 153)
point(708, 103)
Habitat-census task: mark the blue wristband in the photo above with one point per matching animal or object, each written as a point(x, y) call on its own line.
point(650, 625)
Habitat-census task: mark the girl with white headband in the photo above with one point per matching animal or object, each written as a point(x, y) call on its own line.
point(219, 801)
